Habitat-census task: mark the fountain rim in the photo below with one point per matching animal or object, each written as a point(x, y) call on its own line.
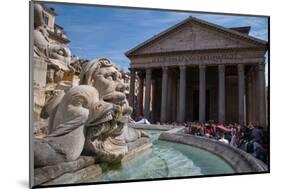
point(239, 160)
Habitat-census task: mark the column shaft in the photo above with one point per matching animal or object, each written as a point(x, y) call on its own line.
point(169, 98)
point(152, 101)
point(202, 93)
point(221, 69)
point(182, 94)
point(132, 88)
point(147, 92)
point(140, 96)
point(164, 95)
point(241, 93)
point(261, 95)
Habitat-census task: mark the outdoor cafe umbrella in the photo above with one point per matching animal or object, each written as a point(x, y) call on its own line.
point(223, 128)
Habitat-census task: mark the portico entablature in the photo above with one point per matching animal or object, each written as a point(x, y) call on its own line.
point(193, 58)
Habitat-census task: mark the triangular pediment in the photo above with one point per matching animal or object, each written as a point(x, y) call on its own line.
point(195, 34)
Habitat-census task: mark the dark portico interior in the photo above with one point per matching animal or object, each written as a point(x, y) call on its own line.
point(192, 94)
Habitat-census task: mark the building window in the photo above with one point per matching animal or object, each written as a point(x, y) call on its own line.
point(46, 19)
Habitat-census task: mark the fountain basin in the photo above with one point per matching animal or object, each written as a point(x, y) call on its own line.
point(166, 160)
point(172, 154)
point(239, 160)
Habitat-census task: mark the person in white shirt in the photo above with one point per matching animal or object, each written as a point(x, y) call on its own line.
point(222, 139)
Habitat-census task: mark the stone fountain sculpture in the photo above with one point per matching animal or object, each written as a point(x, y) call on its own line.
point(109, 140)
point(89, 120)
point(50, 61)
point(92, 117)
point(79, 107)
point(57, 54)
point(65, 139)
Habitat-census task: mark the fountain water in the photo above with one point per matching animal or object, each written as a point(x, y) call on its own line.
point(165, 160)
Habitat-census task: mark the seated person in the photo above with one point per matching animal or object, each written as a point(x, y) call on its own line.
point(222, 139)
point(254, 148)
point(257, 132)
point(142, 121)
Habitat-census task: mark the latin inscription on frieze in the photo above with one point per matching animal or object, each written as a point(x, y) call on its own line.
point(177, 59)
point(193, 58)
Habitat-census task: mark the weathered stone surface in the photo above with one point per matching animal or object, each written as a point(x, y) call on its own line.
point(40, 128)
point(48, 173)
point(108, 139)
point(66, 139)
point(240, 161)
point(79, 176)
point(85, 168)
point(53, 99)
point(40, 72)
point(50, 60)
point(193, 36)
point(136, 148)
point(195, 41)
point(38, 98)
point(223, 56)
point(56, 53)
point(138, 143)
point(92, 116)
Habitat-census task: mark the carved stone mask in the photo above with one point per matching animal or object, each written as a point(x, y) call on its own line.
point(107, 79)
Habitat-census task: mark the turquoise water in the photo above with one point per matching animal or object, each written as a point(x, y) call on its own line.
point(165, 160)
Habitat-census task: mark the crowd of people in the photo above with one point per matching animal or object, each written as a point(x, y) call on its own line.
point(252, 139)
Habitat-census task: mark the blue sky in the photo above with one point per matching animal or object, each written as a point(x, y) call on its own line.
point(110, 32)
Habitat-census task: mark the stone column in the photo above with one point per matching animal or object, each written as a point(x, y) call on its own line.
point(241, 93)
point(261, 95)
point(169, 98)
point(202, 93)
point(140, 96)
point(164, 95)
point(182, 95)
point(157, 100)
point(132, 88)
point(147, 92)
point(221, 69)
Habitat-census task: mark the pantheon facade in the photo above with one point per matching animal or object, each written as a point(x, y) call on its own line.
point(200, 71)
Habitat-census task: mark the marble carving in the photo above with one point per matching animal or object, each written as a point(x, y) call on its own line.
point(90, 119)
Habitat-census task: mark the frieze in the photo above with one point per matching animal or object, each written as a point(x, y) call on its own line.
point(194, 59)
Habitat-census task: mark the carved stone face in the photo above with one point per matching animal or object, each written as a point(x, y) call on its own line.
point(108, 81)
point(105, 136)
